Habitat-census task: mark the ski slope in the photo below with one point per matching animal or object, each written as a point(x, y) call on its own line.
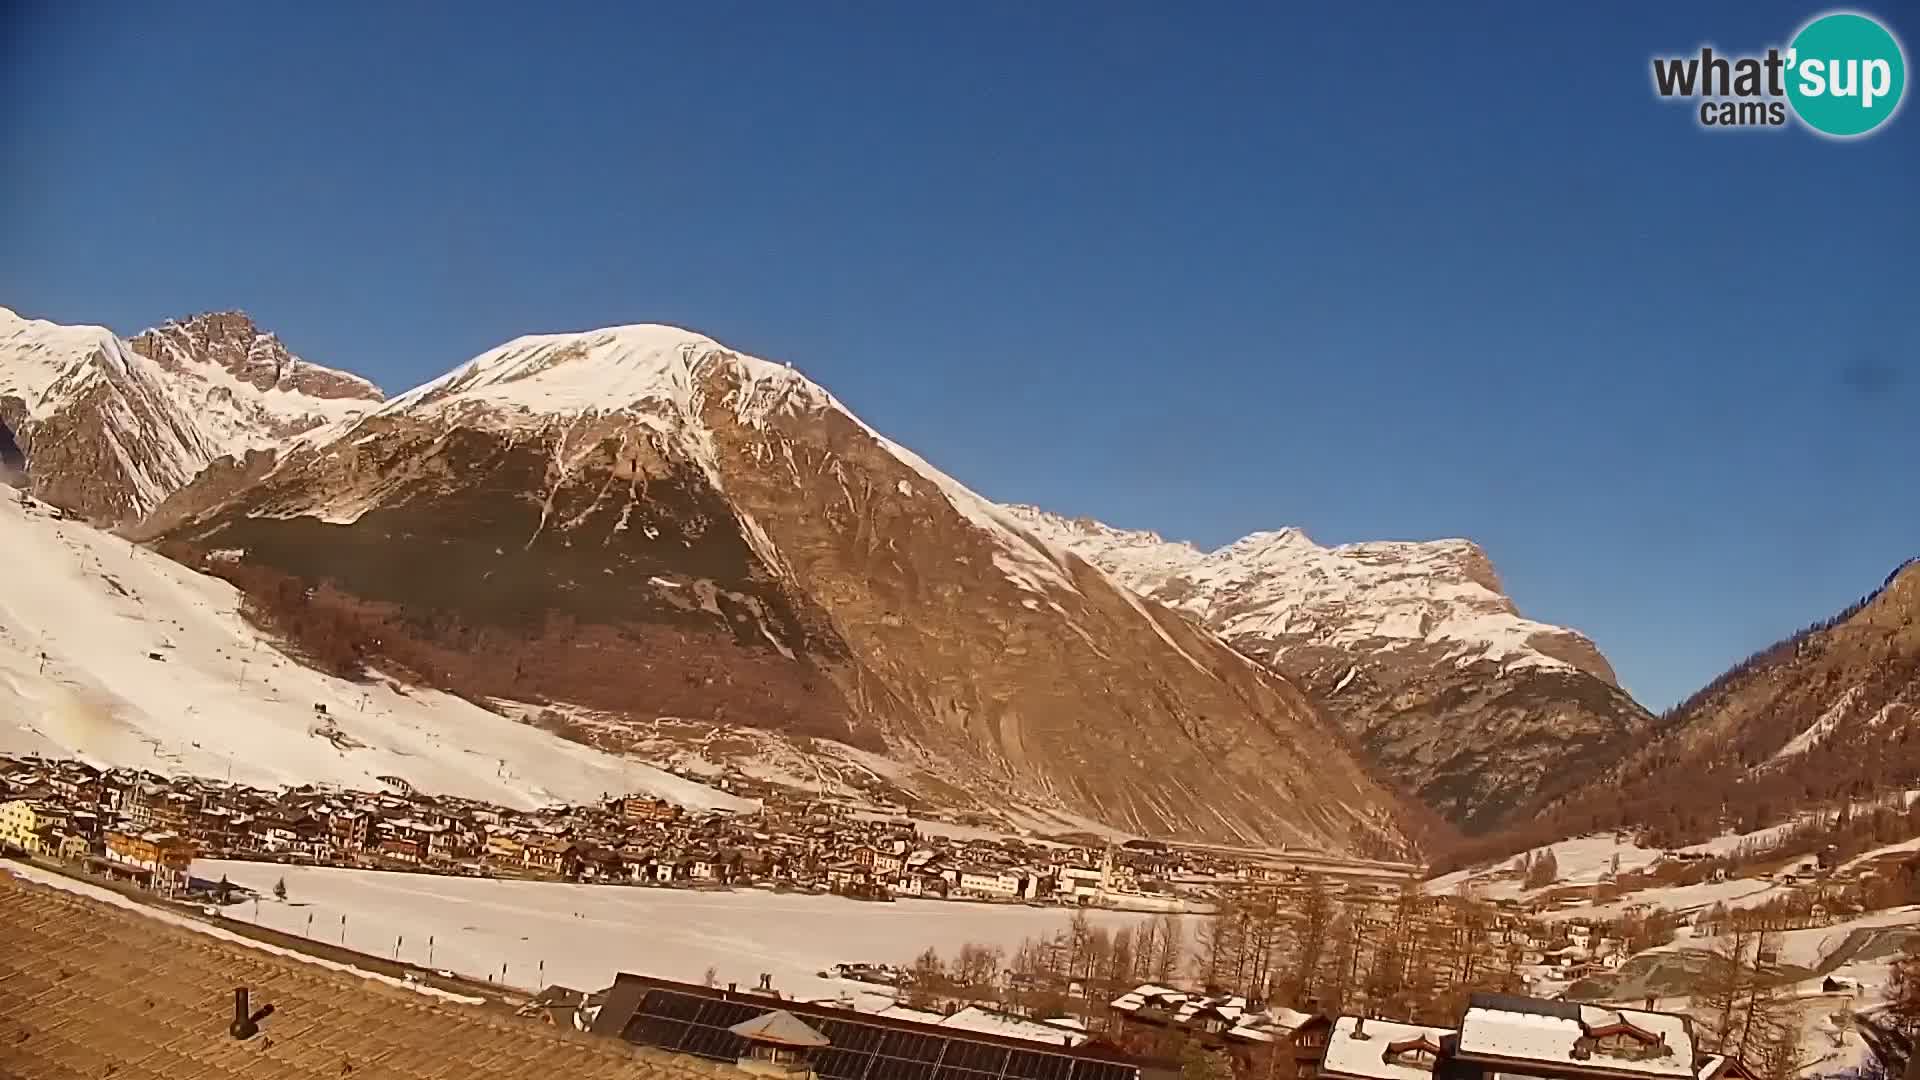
point(116, 655)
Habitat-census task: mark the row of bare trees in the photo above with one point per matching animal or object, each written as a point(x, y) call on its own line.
point(1410, 957)
point(1073, 972)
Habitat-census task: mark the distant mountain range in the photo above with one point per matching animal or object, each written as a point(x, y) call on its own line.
point(1413, 648)
point(622, 532)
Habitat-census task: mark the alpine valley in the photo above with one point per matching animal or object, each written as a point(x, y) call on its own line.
point(580, 556)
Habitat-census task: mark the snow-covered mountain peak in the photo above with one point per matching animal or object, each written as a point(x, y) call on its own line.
point(609, 370)
point(48, 361)
point(1269, 547)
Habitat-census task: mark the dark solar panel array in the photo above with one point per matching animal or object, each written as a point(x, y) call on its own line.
point(698, 1026)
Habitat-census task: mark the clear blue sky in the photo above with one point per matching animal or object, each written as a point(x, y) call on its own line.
point(1379, 271)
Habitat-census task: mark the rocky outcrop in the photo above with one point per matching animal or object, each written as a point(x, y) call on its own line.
point(107, 429)
point(245, 384)
point(642, 522)
point(1413, 647)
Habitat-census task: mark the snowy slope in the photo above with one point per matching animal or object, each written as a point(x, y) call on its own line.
point(148, 664)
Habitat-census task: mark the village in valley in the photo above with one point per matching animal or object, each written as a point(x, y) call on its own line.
point(149, 828)
point(1783, 945)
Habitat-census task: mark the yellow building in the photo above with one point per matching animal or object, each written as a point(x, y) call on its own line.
point(20, 821)
point(164, 856)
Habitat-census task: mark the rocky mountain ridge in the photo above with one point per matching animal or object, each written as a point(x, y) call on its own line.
point(1412, 646)
point(642, 522)
point(108, 428)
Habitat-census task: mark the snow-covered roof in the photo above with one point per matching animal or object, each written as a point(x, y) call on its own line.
point(1539, 1036)
point(1277, 1022)
point(1366, 1055)
point(974, 1018)
point(1060, 1031)
point(1143, 993)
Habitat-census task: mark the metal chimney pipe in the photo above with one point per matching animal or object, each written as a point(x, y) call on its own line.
point(243, 1026)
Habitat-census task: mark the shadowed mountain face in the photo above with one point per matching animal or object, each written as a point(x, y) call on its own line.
point(641, 522)
point(13, 460)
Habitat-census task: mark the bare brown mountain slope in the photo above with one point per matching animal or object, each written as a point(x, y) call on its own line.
point(641, 521)
point(1829, 712)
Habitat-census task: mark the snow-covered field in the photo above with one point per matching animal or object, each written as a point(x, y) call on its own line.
point(586, 934)
point(1735, 893)
point(148, 664)
point(1582, 861)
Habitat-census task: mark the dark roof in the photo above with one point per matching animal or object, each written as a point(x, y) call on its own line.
point(863, 1046)
point(1565, 1010)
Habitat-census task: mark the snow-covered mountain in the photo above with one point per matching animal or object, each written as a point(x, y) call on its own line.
point(1283, 589)
point(107, 428)
point(244, 386)
point(102, 431)
point(113, 653)
point(1414, 646)
point(642, 522)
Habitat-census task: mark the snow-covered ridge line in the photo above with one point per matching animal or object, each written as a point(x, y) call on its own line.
point(605, 370)
point(1280, 582)
point(42, 357)
point(655, 372)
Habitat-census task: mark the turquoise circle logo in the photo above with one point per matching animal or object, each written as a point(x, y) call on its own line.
point(1846, 74)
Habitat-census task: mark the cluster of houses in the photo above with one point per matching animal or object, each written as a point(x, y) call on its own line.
point(83, 815)
point(69, 809)
point(1499, 1035)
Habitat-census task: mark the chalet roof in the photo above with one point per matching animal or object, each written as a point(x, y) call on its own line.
point(1547, 1033)
point(780, 1028)
point(1365, 1054)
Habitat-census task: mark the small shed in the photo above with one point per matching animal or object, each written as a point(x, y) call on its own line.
point(778, 1044)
